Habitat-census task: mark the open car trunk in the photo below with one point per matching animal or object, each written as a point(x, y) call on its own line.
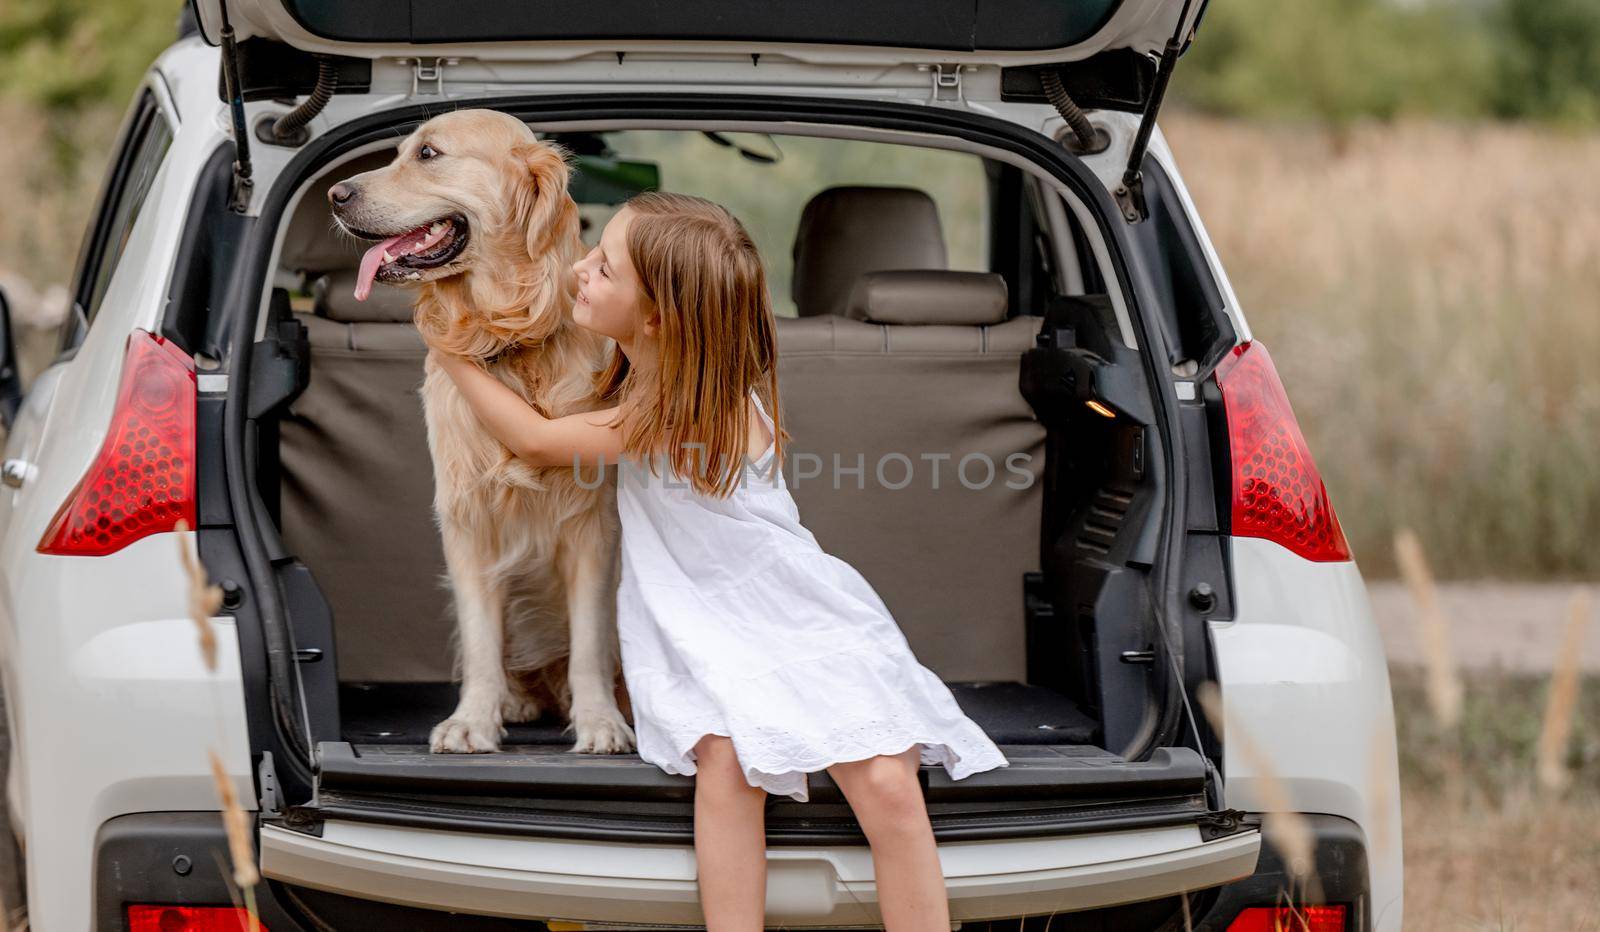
point(1051, 606)
point(1027, 593)
point(1019, 582)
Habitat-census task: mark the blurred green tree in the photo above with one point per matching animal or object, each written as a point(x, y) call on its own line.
point(1338, 60)
point(73, 53)
point(61, 58)
point(1549, 60)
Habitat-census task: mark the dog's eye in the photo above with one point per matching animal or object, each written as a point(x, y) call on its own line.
point(427, 152)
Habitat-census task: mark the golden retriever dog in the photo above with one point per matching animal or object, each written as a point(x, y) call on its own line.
point(474, 212)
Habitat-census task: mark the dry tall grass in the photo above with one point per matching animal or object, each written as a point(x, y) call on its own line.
point(1429, 294)
point(54, 190)
point(1528, 865)
point(1281, 825)
point(1486, 846)
point(1561, 706)
point(1444, 684)
point(1498, 833)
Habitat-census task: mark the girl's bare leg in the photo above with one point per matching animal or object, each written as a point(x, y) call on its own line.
point(730, 840)
point(887, 800)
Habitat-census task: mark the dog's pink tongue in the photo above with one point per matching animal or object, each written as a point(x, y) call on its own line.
point(369, 266)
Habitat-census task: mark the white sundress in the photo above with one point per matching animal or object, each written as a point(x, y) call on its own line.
point(733, 621)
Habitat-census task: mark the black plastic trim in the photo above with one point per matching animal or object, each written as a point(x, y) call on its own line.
point(274, 673)
point(137, 860)
point(1221, 452)
point(1341, 868)
point(1189, 307)
point(11, 390)
point(1097, 550)
point(91, 251)
point(548, 792)
point(206, 255)
point(956, 25)
point(1116, 79)
point(225, 564)
point(817, 825)
point(1035, 771)
point(271, 70)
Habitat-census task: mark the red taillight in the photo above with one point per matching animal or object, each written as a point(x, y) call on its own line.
point(143, 918)
point(1289, 919)
point(1277, 492)
point(142, 481)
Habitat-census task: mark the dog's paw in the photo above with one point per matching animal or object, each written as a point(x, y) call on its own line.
point(465, 736)
point(520, 707)
point(601, 731)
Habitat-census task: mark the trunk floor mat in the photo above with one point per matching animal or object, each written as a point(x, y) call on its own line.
point(404, 713)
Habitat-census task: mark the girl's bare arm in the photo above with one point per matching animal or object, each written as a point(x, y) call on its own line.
point(540, 440)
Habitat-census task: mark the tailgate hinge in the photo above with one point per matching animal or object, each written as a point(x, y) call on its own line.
point(242, 184)
point(1214, 825)
point(267, 775)
point(1129, 194)
point(428, 71)
point(946, 82)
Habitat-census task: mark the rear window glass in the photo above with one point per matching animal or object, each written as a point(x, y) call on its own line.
point(128, 183)
point(768, 196)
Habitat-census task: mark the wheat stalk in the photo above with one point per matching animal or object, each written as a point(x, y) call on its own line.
point(1563, 699)
point(204, 600)
point(237, 822)
point(1285, 828)
point(1380, 751)
point(1444, 682)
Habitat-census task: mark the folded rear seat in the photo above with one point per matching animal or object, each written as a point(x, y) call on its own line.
point(923, 364)
point(880, 362)
point(358, 486)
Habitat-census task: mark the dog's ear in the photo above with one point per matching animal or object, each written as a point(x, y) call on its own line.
point(543, 207)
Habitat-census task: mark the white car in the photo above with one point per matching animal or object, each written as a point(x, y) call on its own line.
point(966, 273)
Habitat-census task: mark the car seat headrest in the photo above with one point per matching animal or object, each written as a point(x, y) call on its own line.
point(313, 243)
point(847, 231)
point(334, 296)
point(967, 299)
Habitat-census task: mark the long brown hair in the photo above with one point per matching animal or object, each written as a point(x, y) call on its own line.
point(700, 270)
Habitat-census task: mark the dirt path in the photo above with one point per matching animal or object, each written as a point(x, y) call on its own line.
point(1516, 626)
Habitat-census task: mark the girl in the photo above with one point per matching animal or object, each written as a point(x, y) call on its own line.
point(751, 656)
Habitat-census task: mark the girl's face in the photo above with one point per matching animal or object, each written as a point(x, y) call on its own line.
point(610, 301)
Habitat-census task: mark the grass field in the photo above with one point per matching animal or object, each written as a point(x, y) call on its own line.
point(1428, 292)
point(1485, 847)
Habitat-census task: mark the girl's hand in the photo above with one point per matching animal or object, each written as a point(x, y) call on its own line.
point(441, 358)
point(452, 364)
point(542, 441)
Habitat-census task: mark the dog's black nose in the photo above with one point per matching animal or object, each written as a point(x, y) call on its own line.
point(341, 193)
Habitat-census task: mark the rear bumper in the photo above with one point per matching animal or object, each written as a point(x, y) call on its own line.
point(137, 859)
point(1304, 673)
point(817, 886)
